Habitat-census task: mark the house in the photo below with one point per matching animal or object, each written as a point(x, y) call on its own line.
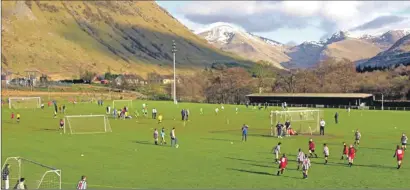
point(130, 79)
point(169, 79)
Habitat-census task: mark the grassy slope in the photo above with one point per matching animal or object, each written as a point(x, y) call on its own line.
point(352, 49)
point(59, 37)
point(206, 158)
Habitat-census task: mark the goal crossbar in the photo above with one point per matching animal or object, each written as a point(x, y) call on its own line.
point(86, 128)
point(48, 170)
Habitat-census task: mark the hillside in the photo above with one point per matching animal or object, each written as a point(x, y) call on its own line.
point(386, 40)
point(232, 39)
point(396, 55)
point(60, 38)
point(339, 46)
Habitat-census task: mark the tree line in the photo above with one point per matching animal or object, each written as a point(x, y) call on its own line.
point(231, 84)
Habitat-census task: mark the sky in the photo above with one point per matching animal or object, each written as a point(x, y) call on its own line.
point(295, 21)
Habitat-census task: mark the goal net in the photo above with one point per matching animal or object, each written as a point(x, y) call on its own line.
point(24, 102)
point(121, 103)
point(86, 124)
point(37, 176)
point(302, 121)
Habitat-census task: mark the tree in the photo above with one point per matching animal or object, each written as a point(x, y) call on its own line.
point(264, 74)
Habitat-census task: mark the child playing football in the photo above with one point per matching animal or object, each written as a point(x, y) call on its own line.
point(159, 118)
point(18, 117)
point(312, 148)
point(351, 155)
point(357, 136)
point(12, 115)
point(345, 151)
point(305, 166)
point(399, 154)
point(326, 152)
point(282, 164)
point(276, 151)
point(163, 136)
point(156, 136)
point(300, 158)
point(61, 124)
point(404, 141)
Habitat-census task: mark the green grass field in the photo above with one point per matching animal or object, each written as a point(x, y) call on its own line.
point(211, 154)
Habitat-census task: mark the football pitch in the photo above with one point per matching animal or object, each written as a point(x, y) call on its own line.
point(210, 153)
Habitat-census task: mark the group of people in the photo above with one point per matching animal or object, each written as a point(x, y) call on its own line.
point(156, 135)
point(348, 153)
point(284, 130)
point(121, 113)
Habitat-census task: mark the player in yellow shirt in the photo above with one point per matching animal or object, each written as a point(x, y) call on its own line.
point(18, 117)
point(159, 118)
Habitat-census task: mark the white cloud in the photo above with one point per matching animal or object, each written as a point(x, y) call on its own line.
point(266, 16)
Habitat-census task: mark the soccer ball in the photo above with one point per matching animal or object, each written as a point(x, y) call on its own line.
point(176, 146)
point(278, 162)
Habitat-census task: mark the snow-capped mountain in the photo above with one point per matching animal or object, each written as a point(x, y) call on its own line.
point(397, 54)
point(385, 40)
point(231, 38)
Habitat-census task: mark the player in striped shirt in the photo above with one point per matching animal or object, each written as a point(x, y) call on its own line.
point(300, 158)
point(82, 184)
point(156, 137)
point(357, 136)
point(404, 141)
point(305, 166)
point(326, 152)
point(276, 151)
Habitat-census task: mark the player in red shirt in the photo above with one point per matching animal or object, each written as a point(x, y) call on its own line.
point(312, 148)
point(399, 154)
point(351, 155)
point(345, 151)
point(12, 115)
point(282, 165)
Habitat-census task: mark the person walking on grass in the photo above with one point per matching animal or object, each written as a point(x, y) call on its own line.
point(82, 184)
point(5, 176)
point(322, 124)
point(174, 141)
point(244, 133)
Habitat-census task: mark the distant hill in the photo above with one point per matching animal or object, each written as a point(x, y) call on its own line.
point(230, 38)
point(60, 38)
point(398, 54)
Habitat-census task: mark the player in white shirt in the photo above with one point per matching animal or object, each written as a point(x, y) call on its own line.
point(305, 166)
point(216, 111)
point(236, 110)
point(322, 124)
point(404, 140)
point(201, 111)
point(300, 158)
point(326, 152)
point(357, 137)
point(222, 107)
point(276, 151)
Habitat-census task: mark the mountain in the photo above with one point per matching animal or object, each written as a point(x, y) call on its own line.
point(60, 38)
point(230, 38)
point(386, 40)
point(339, 46)
point(397, 54)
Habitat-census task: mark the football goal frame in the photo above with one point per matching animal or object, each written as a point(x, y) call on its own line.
point(43, 183)
point(303, 121)
point(67, 124)
point(23, 99)
point(128, 102)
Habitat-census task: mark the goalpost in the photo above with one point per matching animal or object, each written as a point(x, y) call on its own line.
point(24, 102)
point(37, 176)
point(122, 103)
point(302, 121)
point(86, 124)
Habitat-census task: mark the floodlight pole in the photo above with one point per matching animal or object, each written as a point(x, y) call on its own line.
point(382, 101)
point(174, 50)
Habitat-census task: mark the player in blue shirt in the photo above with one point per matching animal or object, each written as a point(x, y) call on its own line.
point(244, 132)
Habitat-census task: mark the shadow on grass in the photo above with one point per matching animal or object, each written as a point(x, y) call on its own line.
point(374, 148)
point(50, 130)
point(354, 165)
point(249, 171)
point(150, 143)
point(240, 159)
point(262, 173)
point(215, 139)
